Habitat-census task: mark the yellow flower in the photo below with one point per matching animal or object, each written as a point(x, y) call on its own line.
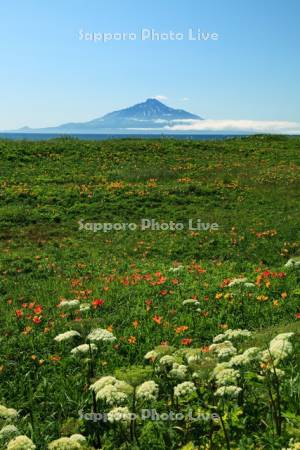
point(218, 295)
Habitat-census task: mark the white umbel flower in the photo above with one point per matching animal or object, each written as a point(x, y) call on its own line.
point(151, 356)
point(8, 430)
point(236, 281)
point(225, 375)
point(223, 349)
point(65, 443)
point(101, 335)
point(8, 413)
point(230, 391)
point(166, 361)
point(83, 348)
point(147, 391)
point(119, 414)
point(111, 390)
point(178, 371)
point(66, 336)
point(249, 355)
point(69, 304)
point(183, 389)
point(232, 334)
point(21, 443)
point(190, 301)
point(78, 438)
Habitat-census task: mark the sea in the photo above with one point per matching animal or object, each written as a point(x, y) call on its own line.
point(105, 137)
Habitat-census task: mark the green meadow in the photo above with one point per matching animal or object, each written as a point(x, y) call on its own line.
point(60, 271)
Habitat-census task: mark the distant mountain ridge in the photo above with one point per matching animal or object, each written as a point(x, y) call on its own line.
point(150, 115)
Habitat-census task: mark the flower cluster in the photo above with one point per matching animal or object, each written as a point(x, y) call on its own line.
point(231, 334)
point(101, 335)
point(66, 336)
point(111, 390)
point(279, 348)
point(73, 442)
point(147, 391)
point(119, 414)
point(21, 443)
point(83, 348)
point(223, 349)
point(8, 413)
point(184, 389)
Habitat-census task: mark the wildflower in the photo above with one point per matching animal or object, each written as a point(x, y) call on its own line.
point(181, 329)
point(157, 319)
point(8, 430)
point(279, 348)
point(135, 323)
point(97, 303)
point(37, 320)
point(178, 371)
point(151, 356)
point(83, 348)
point(8, 413)
point(166, 361)
point(190, 301)
point(230, 391)
point(223, 349)
point(19, 313)
point(186, 341)
point(284, 295)
point(65, 443)
point(119, 414)
point(111, 390)
point(183, 389)
point(100, 334)
point(176, 269)
point(236, 281)
point(78, 438)
point(225, 376)
point(297, 315)
point(68, 304)
point(132, 340)
point(21, 443)
point(147, 391)
point(38, 309)
point(67, 335)
point(245, 358)
point(231, 334)
point(84, 307)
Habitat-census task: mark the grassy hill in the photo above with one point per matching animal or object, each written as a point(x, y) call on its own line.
point(54, 198)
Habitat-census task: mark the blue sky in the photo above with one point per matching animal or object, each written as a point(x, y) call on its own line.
point(49, 76)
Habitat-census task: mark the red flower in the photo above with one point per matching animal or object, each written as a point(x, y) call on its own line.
point(36, 320)
point(297, 315)
point(38, 309)
point(186, 341)
point(19, 313)
point(97, 303)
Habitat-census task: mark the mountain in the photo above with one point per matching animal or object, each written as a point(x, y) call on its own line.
point(151, 115)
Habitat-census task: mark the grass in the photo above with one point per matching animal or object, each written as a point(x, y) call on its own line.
point(248, 186)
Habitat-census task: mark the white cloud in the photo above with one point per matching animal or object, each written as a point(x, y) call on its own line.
point(160, 97)
point(233, 126)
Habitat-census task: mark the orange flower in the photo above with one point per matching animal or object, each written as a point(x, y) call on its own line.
point(186, 341)
point(132, 340)
point(181, 329)
point(218, 295)
point(135, 323)
point(284, 295)
point(110, 328)
point(205, 349)
point(19, 313)
point(157, 319)
point(55, 358)
point(33, 357)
